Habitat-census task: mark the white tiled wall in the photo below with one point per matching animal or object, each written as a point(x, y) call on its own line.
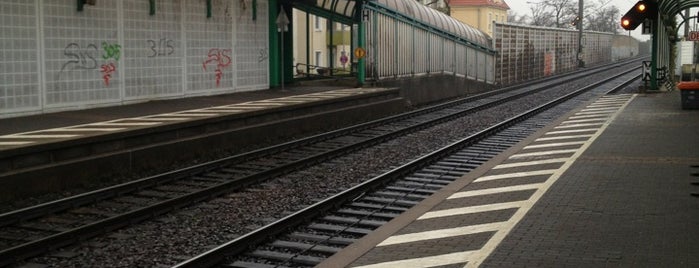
point(209, 44)
point(153, 49)
point(251, 45)
point(115, 52)
point(19, 69)
point(75, 52)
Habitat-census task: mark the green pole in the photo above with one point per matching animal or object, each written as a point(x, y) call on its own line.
point(308, 46)
point(151, 10)
point(274, 58)
point(361, 42)
point(654, 56)
point(288, 45)
point(208, 8)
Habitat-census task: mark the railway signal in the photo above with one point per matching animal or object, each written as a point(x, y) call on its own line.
point(642, 10)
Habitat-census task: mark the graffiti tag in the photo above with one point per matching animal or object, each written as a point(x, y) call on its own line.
point(111, 51)
point(80, 58)
point(222, 59)
point(262, 55)
point(162, 47)
point(107, 70)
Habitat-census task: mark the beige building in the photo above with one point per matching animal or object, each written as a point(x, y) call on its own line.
point(480, 13)
point(319, 45)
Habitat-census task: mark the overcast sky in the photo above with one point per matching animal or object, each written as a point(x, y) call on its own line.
point(521, 7)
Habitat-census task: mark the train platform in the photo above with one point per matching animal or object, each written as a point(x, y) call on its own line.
point(57, 151)
point(614, 183)
point(40, 122)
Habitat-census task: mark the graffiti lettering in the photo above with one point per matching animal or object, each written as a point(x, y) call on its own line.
point(111, 51)
point(162, 47)
point(222, 59)
point(86, 59)
point(262, 55)
point(107, 70)
point(80, 58)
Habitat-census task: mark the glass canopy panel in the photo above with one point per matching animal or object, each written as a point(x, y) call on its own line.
point(411, 9)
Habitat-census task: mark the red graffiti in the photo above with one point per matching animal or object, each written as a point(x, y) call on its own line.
point(107, 70)
point(222, 59)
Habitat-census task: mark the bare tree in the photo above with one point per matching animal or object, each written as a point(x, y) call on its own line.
point(541, 16)
point(598, 15)
point(602, 17)
point(435, 4)
point(559, 7)
point(513, 17)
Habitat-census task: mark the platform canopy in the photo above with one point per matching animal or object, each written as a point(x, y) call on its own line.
point(347, 10)
point(673, 7)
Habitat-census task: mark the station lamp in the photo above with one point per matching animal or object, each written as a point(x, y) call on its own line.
point(642, 10)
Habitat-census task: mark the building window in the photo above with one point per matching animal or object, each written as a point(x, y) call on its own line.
point(319, 57)
point(317, 25)
point(490, 21)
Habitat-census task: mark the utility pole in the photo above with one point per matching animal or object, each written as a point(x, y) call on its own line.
point(581, 63)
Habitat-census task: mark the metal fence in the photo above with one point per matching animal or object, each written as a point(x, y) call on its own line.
point(530, 52)
point(401, 47)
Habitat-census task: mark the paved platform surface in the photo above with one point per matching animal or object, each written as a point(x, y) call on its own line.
point(607, 185)
point(46, 128)
point(86, 116)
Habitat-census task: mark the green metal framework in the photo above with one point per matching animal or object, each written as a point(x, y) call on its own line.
point(664, 34)
point(349, 12)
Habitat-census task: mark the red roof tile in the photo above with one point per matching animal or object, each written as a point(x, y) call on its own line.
point(491, 3)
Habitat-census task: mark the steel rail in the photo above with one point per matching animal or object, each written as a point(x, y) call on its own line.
point(108, 192)
point(250, 240)
point(95, 228)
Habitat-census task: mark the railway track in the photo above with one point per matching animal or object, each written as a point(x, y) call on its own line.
point(32, 231)
point(308, 237)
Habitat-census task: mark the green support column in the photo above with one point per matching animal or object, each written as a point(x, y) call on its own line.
point(274, 52)
point(361, 42)
point(654, 57)
point(289, 45)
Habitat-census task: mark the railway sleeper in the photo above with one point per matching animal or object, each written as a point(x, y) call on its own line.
point(464, 163)
point(153, 193)
point(383, 207)
point(353, 221)
point(391, 201)
point(434, 181)
point(494, 145)
point(339, 229)
point(208, 179)
point(367, 213)
point(400, 195)
point(503, 139)
point(423, 185)
point(416, 190)
point(443, 171)
point(422, 174)
point(326, 250)
point(191, 183)
point(246, 264)
point(286, 257)
point(451, 165)
point(328, 240)
point(92, 211)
